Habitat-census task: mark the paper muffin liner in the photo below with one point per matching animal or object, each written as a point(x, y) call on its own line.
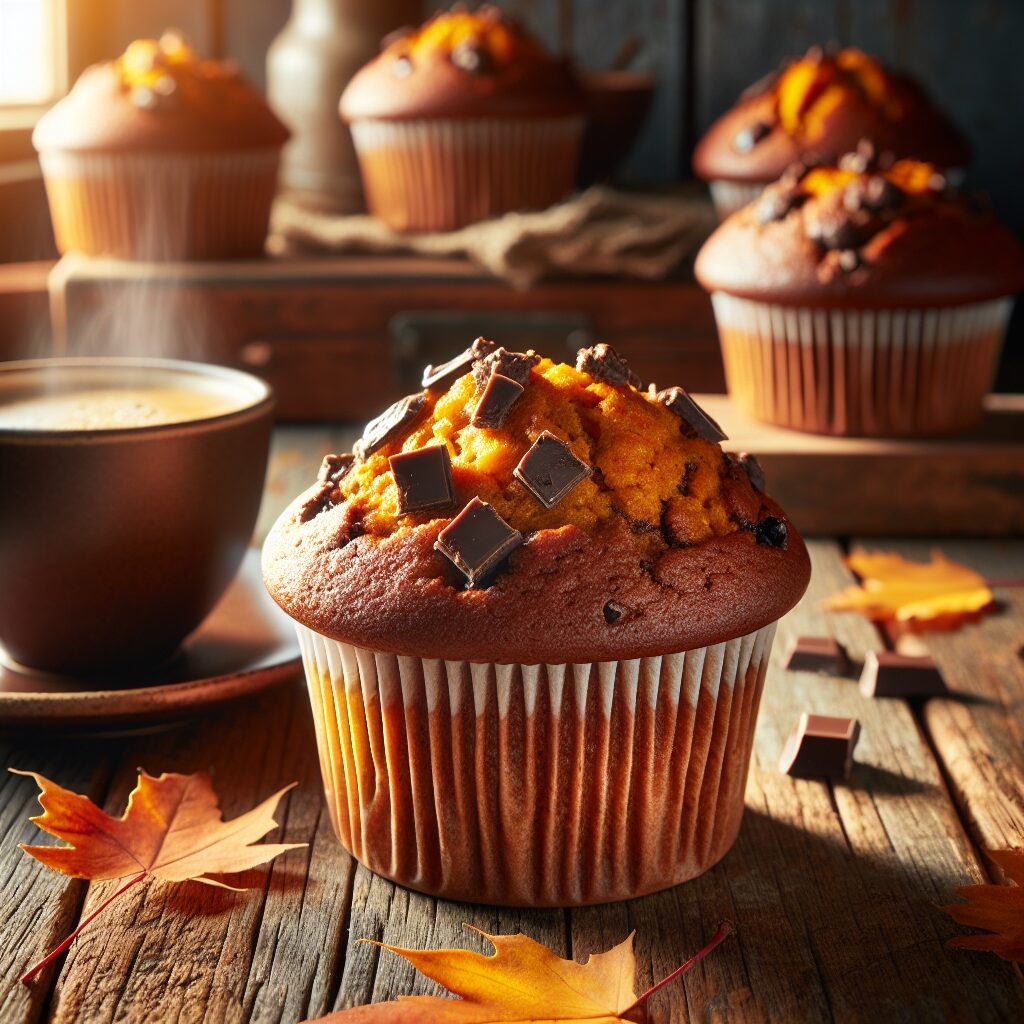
point(161, 206)
point(861, 373)
point(439, 175)
point(730, 196)
point(536, 785)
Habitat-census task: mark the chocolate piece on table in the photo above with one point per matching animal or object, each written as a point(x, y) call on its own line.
point(550, 470)
point(477, 540)
point(747, 138)
point(749, 464)
point(424, 479)
point(602, 362)
point(335, 468)
point(772, 532)
point(514, 365)
point(496, 401)
point(444, 374)
point(816, 654)
point(888, 674)
point(699, 422)
point(389, 422)
point(820, 746)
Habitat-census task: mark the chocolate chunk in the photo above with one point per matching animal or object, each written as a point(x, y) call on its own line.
point(849, 260)
point(602, 362)
point(771, 532)
point(424, 479)
point(477, 540)
point(514, 365)
point(778, 200)
point(753, 469)
point(820, 746)
point(696, 422)
point(838, 229)
point(816, 654)
point(388, 423)
point(496, 401)
point(888, 674)
point(613, 611)
point(747, 138)
point(863, 159)
point(472, 57)
point(876, 193)
point(321, 500)
point(441, 377)
point(335, 468)
point(401, 67)
point(550, 470)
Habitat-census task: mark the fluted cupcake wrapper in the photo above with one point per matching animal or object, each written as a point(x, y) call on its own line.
point(730, 196)
point(161, 206)
point(539, 785)
point(861, 373)
point(439, 175)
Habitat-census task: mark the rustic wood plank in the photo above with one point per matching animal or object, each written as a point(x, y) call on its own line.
point(38, 907)
point(832, 887)
point(978, 732)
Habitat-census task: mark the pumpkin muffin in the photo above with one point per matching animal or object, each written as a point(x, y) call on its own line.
point(821, 105)
point(463, 119)
point(866, 298)
point(160, 155)
point(536, 606)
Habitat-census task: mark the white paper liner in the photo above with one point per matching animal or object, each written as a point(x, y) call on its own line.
point(439, 175)
point(862, 373)
point(536, 785)
point(161, 206)
point(730, 196)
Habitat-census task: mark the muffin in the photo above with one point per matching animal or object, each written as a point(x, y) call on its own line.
point(535, 607)
point(821, 104)
point(160, 155)
point(464, 119)
point(866, 298)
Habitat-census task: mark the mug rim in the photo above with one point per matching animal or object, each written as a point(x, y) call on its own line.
point(259, 404)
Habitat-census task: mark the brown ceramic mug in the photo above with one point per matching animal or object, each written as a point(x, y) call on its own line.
point(129, 490)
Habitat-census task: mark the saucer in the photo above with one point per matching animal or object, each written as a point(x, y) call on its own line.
point(245, 644)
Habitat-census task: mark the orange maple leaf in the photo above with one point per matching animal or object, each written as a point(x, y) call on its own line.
point(171, 829)
point(939, 593)
point(522, 981)
point(997, 908)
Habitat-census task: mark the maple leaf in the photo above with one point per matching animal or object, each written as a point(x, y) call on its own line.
point(172, 829)
point(522, 981)
point(940, 593)
point(997, 908)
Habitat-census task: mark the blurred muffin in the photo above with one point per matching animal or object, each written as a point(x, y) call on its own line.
point(160, 155)
point(463, 119)
point(821, 104)
point(536, 606)
point(867, 298)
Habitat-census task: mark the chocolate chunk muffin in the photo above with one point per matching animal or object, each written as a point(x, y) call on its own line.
point(862, 298)
point(465, 118)
point(535, 640)
point(819, 107)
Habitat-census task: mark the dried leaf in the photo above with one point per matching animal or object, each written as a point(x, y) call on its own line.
point(171, 829)
point(937, 593)
point(997, 908)
point(522, 981)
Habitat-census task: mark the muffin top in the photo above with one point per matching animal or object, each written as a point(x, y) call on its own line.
point(158, 95)
point(868, 232)
point(521, 510)
point(463, 64)
point(823, 104)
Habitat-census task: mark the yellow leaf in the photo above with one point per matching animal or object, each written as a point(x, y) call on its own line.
point(894, 589)
point(998, 908)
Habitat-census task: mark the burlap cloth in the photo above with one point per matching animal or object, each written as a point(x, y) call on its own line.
point(599, 231)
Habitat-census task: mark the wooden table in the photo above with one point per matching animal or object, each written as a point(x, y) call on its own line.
point(833, 887)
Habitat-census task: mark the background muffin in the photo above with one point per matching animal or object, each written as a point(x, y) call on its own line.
point(466, 118)
point(866, 298)
point(160, 155)
point(821, 104)
point(536, 607)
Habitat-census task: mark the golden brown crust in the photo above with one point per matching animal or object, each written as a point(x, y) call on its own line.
point(867, 101)
point(461, 65)
point(160, 101)
point(397, 594)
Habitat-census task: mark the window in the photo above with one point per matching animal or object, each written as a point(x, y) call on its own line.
point(31, 52)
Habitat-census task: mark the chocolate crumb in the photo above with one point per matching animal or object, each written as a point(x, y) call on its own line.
point(514, 365)
point(335, 468)
point(496, 401)
point(771, 532)
point(613, 611)
point(424, 479)
point(477, 540)
point(378, 431)
point(550, 470)
point(602, 362)
point(696, 422)
point(321, 500)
